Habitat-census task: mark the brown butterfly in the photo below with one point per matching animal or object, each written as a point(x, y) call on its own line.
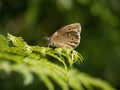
point(66, 37)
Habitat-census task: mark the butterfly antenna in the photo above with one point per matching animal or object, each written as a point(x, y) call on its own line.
point(44, 34)
point(46, 37)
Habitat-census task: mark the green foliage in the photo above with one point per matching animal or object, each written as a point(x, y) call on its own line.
point(51, 67)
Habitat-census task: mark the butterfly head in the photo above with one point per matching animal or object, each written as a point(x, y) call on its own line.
point(47, 39)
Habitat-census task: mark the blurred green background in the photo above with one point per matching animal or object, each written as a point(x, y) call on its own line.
point(100, 37)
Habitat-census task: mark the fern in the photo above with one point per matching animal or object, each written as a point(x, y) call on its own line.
point(50, 66)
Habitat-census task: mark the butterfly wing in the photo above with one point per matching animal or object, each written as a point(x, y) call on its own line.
point(66, 37)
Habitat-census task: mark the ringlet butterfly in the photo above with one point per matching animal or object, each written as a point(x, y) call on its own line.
point(66, 37)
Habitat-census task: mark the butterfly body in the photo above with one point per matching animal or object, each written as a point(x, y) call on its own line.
point(66, 37)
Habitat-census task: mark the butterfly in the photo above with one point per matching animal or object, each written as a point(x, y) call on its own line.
point(66, 37)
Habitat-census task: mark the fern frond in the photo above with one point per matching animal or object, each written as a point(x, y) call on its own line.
point(19, 42)
point(86, 81)
point(51, 66)
point(3, 41)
